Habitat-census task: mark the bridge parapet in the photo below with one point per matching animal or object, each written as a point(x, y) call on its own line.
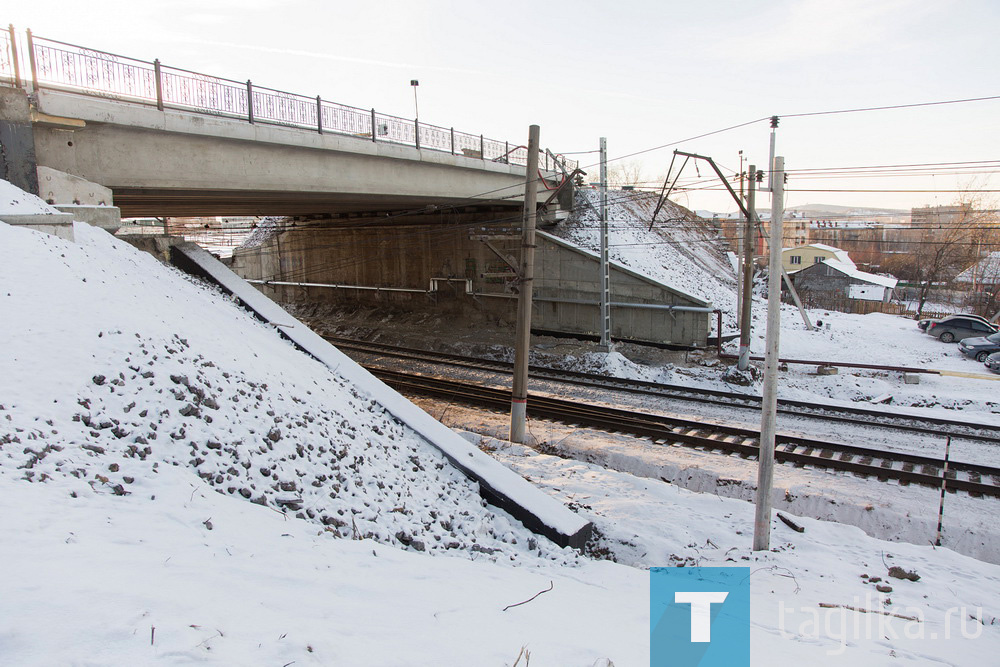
point(169, 142)
point(69, 67)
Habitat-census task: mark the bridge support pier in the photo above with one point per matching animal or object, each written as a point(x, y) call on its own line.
point(17, 159)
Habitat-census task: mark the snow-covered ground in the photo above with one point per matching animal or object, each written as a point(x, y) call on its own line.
point(681, 251)
point(179, 484)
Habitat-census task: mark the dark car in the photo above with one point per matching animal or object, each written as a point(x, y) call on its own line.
point(979, 348)
point(993, 362)
point(957, 327)
point(923, 324)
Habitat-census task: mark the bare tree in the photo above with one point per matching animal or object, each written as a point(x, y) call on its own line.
point(944, 241)
point(626, 174)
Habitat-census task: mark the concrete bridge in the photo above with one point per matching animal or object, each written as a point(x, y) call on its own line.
point(88, 128)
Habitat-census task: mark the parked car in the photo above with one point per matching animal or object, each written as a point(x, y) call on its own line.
point(993, 362)
point(956, 327)
point(979, 348)
point(924, 324)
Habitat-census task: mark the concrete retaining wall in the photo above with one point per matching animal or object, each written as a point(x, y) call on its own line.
point(354, 254)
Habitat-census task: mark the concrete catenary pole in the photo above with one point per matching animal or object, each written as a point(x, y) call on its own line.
point(605, 264)
point(519, 394)
point(769, 403)
point(739, 248)
point(748, 238)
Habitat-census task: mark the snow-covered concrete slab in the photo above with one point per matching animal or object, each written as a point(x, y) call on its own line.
point(499, 485)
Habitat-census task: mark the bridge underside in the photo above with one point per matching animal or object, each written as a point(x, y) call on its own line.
point(181, 202)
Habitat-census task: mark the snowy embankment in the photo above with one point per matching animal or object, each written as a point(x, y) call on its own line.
point(127, 366)
point(130, 392)
point(680, 251)
point(142, 413)
point(803, 588)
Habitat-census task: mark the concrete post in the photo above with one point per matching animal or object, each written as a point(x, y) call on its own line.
point(31, 60)
point(519, 393)
point(769, 402)
point(249, 101)
point(158, 81)
point(13, 55)
point(605, 264)
point(748, 238)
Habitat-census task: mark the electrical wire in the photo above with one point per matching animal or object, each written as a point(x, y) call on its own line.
point(890, 107)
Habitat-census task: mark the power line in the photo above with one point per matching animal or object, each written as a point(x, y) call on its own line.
point(890, 107)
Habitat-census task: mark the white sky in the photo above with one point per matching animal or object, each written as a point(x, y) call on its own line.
point(643, 74)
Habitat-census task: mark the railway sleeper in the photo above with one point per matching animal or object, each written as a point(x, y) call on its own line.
point(975, 478)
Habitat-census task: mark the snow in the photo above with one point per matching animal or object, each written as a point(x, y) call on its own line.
point(498, 479)
point(113, 376)
point(828, 563)
point(121, 550)
point(682, 252)
point(839, 255)
point(88, 578)
point(985, 271)
point(852, 271)
point(15, 201)
point(615, 265)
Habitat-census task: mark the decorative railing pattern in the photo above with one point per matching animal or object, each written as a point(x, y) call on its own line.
point(63, 66)
point(8, 57)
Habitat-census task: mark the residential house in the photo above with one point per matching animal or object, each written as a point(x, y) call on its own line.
point(835, 279)
point(796, 259)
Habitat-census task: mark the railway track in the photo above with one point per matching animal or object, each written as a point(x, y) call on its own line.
point(935, 426)
point(903, 468)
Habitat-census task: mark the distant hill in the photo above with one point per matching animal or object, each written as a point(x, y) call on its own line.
point(819, 210)
point(814, 211)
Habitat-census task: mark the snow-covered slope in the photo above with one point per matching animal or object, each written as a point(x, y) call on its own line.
point(116, 365)
point(15, 201)
point(137, 405)
point(681, 251)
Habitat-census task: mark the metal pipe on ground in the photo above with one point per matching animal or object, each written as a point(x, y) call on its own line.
point(843, 364)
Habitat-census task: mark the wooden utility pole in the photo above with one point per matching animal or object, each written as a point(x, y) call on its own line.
point(522, 343)
point(769, 402)
point(748, 238)
point(605, 344)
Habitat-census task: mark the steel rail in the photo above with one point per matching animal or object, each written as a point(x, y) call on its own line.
point(856, 415)
point(731, 439)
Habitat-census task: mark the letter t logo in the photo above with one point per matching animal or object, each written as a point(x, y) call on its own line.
point(701, 611)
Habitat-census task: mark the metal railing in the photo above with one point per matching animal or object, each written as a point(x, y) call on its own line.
point(69, 67)
point(8, 57)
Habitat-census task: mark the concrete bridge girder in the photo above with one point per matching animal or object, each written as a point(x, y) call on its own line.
point(176, 163)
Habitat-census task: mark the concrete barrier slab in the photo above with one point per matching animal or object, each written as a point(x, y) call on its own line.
point(498, 485)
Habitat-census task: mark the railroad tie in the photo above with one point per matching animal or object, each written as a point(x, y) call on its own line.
point(907, 467)
point(976, 478)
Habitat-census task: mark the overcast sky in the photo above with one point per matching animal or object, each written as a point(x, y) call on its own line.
point(643, 74)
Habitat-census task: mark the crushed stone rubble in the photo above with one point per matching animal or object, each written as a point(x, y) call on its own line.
point(150, 393)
